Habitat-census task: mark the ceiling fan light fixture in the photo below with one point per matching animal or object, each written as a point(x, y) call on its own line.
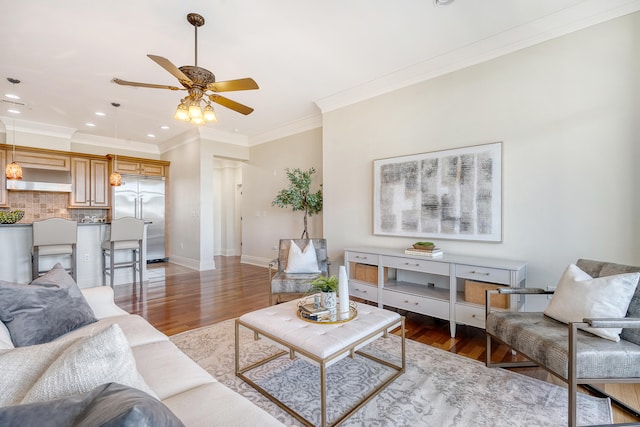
point(194, 109)
point(197, 120)
point(182, 112)
point(209, 114)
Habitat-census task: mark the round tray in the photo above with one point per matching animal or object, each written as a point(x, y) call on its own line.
point(335, 316)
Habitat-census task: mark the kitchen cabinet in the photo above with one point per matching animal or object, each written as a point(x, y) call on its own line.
point(43, 160)
point(431, 286)
point(139, 167)
point(4, 197)
point(90, 183)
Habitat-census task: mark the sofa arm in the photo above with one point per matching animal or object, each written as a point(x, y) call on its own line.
point(625, 322)
point(100, 299)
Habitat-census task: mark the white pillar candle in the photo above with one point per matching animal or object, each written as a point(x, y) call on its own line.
point(343, 290)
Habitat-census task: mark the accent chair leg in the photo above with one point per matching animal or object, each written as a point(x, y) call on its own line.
point(111, 264)
point(140, 263)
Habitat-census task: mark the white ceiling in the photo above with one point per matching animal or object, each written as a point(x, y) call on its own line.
point(305, 55)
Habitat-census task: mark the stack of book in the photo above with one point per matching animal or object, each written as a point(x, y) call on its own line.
point(309, 311)
point(432, 251)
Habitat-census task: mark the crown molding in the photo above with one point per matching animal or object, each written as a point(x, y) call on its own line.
point(291, 128)
point(213, 134)
point(580, 16)
point(122, 144)
point(24, 126)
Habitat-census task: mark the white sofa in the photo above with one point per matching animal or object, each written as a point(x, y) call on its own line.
point(191, 393)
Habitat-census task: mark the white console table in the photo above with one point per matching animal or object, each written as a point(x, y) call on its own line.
point(430, 286)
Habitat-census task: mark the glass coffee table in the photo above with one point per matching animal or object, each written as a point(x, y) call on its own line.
point(322, 343)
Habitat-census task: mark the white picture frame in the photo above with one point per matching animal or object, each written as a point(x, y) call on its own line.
point(449, 194)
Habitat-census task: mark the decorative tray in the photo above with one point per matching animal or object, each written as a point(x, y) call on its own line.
point(325, 316)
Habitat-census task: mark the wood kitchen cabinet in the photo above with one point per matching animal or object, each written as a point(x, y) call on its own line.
point(43, 160)
point(90, 183)
point(139, 167)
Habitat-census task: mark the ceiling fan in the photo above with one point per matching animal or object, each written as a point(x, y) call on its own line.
point(200, 84)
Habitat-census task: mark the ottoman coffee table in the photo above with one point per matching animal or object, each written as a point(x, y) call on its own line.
point(320, 343)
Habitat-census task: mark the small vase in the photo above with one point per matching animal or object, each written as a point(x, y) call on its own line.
point(329, 300)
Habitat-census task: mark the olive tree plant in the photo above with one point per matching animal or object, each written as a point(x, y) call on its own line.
point(298, 195)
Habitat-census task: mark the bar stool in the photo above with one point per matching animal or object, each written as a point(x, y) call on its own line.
point(126, 235)
point(54, 236)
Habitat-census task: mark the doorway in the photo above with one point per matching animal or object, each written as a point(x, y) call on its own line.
point(227, 218)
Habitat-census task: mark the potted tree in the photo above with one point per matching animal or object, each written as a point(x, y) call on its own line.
point(299, 197)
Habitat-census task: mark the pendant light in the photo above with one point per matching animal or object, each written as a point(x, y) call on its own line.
point(115, 179)
point(13, 169)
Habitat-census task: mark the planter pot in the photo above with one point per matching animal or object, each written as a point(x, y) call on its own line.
point(329, 300)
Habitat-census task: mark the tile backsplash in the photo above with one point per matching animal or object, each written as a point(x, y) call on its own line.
point(39, 205)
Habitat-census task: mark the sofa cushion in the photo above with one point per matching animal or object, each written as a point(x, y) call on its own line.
point(579, 296)
point(39, 314)
point(302, 260)
point(87, 363)
point(137, 330)
point(58, 277)
point(544, 340)
point(240, 411)
point(167, 370)
point(109, 404)
point(600, 269)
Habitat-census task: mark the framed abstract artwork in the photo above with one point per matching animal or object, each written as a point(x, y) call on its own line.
point(450, 194)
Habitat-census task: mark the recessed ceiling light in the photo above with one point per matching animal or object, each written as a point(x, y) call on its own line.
point(11, 96)
point(12, 111)
point(90, 124)
point(100, 113)
point(165, 127)
point(150, 135)
point(442, 2)
point(236, 130)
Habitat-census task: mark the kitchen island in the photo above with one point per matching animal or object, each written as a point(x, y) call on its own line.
point(17, 240)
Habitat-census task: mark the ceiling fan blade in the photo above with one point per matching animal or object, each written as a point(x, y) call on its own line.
point(154, 86)
point(233, 105)
point(232, 85)
point(168, 65)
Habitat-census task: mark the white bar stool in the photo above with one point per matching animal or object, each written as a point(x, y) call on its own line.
point(126, 234)
point(54, 236)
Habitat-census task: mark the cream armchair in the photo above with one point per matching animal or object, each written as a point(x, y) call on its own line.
point(572, 355)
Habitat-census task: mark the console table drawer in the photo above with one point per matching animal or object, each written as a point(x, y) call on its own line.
point(363, 257)
point(423, 265)
point(483, 274)
point(369, 293)
point(416, 304)
point(472, 316)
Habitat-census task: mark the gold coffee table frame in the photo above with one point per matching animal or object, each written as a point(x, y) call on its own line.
point(322, 362)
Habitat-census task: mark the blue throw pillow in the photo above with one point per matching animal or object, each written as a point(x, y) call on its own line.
point(37, 314)
point(108, 405)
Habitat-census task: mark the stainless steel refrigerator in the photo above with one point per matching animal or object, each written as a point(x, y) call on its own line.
point(143, 197)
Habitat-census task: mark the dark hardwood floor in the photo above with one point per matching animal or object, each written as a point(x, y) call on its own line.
point(177, 299)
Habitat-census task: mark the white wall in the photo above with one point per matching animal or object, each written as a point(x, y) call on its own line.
point(567, 114)
point(264, 176)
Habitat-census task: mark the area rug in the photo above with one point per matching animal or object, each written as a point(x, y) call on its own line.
point(438, 389)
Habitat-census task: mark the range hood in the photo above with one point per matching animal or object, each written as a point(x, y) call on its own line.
point(41, 180)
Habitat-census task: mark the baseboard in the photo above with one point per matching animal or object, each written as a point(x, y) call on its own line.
point(193, 264)
point(257, 261)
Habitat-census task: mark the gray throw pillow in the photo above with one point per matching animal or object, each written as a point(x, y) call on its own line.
point(58, 277)
point(108, 405)
point(39, 314)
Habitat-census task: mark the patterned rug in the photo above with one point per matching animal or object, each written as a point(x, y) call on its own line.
point(438, 389)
